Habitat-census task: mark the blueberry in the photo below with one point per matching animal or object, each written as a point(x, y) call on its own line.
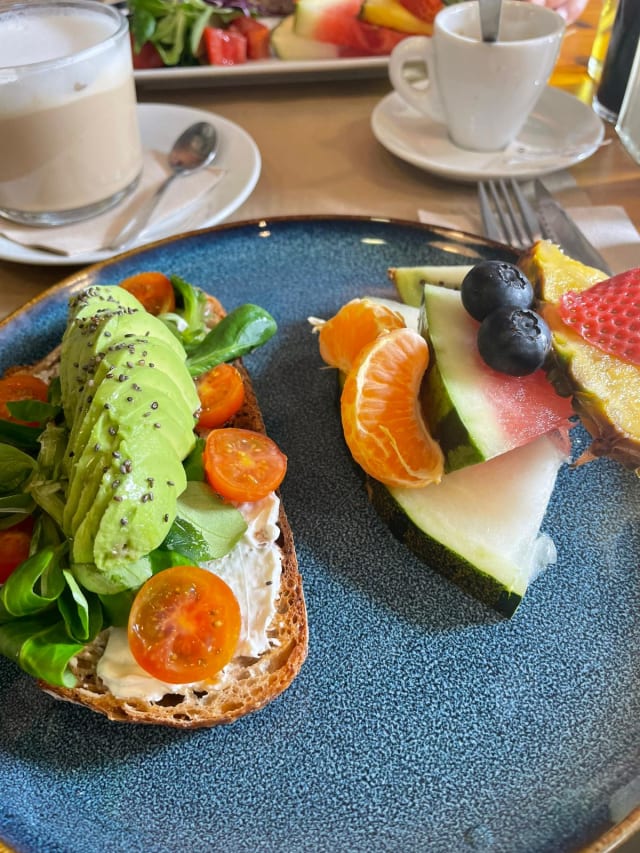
point(514, 340)
point(494, 284)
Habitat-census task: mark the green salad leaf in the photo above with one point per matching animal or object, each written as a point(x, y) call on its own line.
point(239, 333)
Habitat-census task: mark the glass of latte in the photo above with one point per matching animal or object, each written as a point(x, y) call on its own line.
point(69, 138)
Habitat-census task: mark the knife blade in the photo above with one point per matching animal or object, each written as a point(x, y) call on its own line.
point(557, 226)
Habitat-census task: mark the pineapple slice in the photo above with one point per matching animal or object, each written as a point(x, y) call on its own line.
point(605, 390)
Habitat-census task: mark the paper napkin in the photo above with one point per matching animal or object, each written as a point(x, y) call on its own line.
point(93, 234)
point(607, 227)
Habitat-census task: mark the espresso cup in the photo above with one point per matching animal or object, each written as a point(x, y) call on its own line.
point(68, 120)
point(482, 91)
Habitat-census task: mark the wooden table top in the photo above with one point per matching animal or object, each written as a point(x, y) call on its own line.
point(319, 155)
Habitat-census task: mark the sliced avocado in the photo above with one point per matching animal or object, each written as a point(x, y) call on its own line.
point(127, 484)
point(133, 357)
point(157, 400)
point(480, 526)
point(131, 528)
point(108, 317)
point(85, 471)
point(130, 404)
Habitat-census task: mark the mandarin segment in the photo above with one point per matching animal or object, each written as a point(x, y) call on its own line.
point(381, 414)
point(354, 326)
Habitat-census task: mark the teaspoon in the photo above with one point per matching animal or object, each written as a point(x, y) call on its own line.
point(194, 149)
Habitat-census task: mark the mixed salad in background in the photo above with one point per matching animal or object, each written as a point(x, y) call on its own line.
point(169, 33)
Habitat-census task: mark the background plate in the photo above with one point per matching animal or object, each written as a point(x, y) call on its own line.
point(264, 71)
point(160, 125)
point(420, 721)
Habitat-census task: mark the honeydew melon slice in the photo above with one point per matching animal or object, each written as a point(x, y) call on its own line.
point(474, 412)
point(480, 526)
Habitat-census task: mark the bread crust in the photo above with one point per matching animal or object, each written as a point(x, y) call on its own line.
point(246, 684)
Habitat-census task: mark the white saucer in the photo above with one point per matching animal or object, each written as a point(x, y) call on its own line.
point(561, 131)
point(238, 156)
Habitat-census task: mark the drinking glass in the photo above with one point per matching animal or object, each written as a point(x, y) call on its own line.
point(618, 61)
point(601, 40)
point(68, 117)
point(628, 124)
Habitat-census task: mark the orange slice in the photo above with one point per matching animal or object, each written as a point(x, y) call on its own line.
point(356, 324)
point(381, 416)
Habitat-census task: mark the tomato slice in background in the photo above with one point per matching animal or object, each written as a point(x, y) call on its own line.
point(20, 386)
point(184, 625)
point(221, 392)
point(154, 290)
point(242, 465)
point(14, 546)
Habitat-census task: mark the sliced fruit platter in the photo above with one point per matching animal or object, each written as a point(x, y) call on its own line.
point(458, 401)
point(215, 35)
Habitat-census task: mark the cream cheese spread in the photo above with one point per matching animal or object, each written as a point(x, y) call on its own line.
point(252, 569)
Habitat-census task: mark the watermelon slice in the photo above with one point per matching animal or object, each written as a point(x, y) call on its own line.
point(475, 412)
point(337, 22)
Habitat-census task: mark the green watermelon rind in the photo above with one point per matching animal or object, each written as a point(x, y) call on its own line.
point(440, 557)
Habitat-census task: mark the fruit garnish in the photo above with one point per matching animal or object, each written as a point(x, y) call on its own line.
point(607, 315)
point(243, 465)
point(495, 284)
point(381, 415)
point(184, 625)
point(514, 340)
point(356, 324)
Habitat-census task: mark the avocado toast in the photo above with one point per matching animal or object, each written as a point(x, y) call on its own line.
point(120, 495)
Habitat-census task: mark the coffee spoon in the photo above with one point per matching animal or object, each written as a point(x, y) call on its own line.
point(194, 149)
point(490, 11)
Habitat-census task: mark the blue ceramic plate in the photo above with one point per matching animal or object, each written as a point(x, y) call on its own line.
point(420, 721)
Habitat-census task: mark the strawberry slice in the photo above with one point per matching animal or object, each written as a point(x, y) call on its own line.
point(607, 315)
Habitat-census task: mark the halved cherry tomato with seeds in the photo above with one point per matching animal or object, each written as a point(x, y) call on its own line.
point(14, 546)
point(154, 290)
point(242, 465)
point(17, 387)
point(221, 392)
point(184, 625)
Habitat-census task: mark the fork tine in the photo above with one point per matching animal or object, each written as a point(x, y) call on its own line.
point(506, 214)
point(529, 216)
point(489, 223)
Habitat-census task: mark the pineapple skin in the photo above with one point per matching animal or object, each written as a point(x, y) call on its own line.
point(605, 390)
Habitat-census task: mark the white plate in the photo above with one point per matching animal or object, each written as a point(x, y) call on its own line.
point(561, 131)
point(160, 124)
point(271, 70)
point(265, 71)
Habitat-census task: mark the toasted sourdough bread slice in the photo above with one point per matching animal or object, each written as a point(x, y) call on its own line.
point(246, 684)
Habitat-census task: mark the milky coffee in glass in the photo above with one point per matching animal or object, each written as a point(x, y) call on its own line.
point(69, 138)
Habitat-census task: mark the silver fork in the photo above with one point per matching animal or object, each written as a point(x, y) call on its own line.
point(506, 214)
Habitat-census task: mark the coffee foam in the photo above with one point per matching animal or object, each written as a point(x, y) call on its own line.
point(29, 39)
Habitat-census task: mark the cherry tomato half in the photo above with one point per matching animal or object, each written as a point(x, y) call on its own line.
point(184, 625)
point(20, 386)
point(153, 290)
point(221, 393)
point(243, 465)
point(14, 546)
